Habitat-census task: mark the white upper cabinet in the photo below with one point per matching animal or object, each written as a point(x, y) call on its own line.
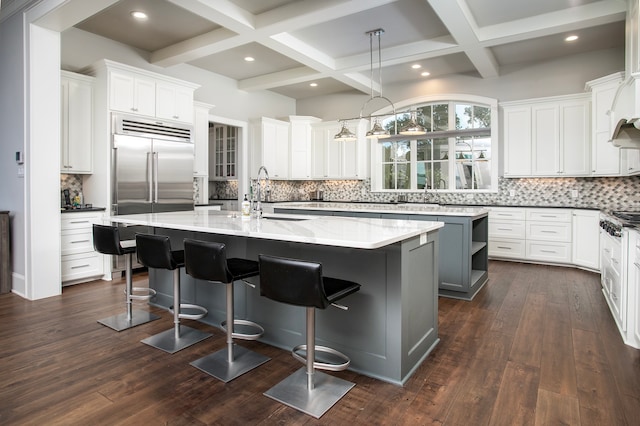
point(547, 137)
point(334, 159)
point(174, 102)
point(605, 158)
point(269, 147)
point(136, 91)
point(300, 144)
point(132, 93)
point(201, 139)
point(517, 137)
point(76, 113)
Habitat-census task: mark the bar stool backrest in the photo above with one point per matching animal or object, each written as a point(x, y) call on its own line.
point(154, 251)
point(106, 240)
point(205, 260)
point(292, 281)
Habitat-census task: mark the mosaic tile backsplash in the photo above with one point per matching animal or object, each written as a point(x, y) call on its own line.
point(620, 193)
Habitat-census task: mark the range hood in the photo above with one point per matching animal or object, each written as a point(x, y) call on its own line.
point(627, 134)
point(625, 111)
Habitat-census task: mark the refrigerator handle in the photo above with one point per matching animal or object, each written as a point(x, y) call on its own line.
point(155, 176)
point(150, 175)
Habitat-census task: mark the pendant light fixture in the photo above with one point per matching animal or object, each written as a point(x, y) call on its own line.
point(413, 127)
point(345, 134)
point(377, 131)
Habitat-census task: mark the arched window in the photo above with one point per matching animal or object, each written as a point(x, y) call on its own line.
point(458, 153)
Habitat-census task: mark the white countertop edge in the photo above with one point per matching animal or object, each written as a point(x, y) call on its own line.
point(371, 233)
point(409, 208)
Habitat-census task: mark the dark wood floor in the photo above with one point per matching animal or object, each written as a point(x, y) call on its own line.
point(536, 346)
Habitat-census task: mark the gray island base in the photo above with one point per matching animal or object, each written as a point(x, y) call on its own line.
point(391, 325)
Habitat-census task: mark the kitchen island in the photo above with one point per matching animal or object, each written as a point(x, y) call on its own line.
point(392, 322)
point(464, 253)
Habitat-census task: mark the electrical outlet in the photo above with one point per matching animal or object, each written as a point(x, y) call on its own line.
point(574, 193)
point(512, 193)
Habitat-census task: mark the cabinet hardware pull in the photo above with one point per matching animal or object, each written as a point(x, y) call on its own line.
point(79, 221)
point(548, 232)
point(79, 241)
point(548, 251)
point(505, 229)
point(80, 266)
point(504, 248)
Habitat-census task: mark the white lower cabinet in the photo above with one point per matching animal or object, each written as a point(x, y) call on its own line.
point(79, 262)
point(545, 235)
point(633, 305)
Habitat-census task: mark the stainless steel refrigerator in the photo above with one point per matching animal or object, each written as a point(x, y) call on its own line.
point(152, 171)
point(152, 165)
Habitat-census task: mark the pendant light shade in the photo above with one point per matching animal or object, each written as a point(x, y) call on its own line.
point(377, 131)
point(345, 134)
point(412, 127)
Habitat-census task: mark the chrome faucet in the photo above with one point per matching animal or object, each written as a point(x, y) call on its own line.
point(267, 189)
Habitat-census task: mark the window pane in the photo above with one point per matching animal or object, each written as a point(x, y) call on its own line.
point(425, 118)
point(388, 179)
point(404, 173)
point(441, 175)
point(423, 150)
point(481, 116)
point(440, 117)
point(464, 116)
point(441, 149)
point(424, 174)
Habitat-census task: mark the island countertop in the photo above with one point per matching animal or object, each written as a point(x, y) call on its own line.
point(353, 232)
point(399, 208)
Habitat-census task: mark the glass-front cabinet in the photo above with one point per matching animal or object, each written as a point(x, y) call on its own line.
point(224, 155)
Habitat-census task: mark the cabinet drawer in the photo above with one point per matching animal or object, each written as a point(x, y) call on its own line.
point(73, 242)
point(549, 231)
point(507, 248)
point(507, 229)
point(78, 220)
point(506, 213)
point(549, 215)
point(549, 251)
point(79, 266)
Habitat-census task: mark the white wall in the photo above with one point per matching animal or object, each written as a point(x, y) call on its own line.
point(560, 77)
point(12, 197)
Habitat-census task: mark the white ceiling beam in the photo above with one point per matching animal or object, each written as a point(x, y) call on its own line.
point(456, 16)
point(278, 79)
point(72, 12)
point(598, 13)
point(221, 12)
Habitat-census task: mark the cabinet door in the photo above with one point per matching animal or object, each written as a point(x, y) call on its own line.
point(605, 158)
point(145, 96)
point(275, 149)
point(574, 138)
point(174, 102)
point(517, 141)
point(334, 157)
point(546, 139)
point(350, 160)
point(300, 140)
point(201, 141)
point(632, 161)
point(121, 89)
point(586, 238)
point(76, 126)
point(319, 141)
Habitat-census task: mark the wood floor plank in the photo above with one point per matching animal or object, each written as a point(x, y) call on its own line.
point(557, 368)
point(59, 366)
point(517, 397)
point(556, 409)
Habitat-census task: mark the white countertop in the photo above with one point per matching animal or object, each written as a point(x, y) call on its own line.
point(400, 208)
point(336, 231)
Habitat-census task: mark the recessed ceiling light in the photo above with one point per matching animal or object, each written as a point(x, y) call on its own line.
point(313, 84)
point(249, 59)
point(139, 15)
point(425, 73)
point(571, 38)
point(416, 66)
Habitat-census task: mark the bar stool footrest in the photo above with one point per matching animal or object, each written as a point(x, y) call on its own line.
point(148, 293)
point(338, 361)
point(254, 330)
point(197, 311)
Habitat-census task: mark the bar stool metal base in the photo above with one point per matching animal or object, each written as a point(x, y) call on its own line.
point(168, 342)
point(121, 322)
point(293, 391)
point(218, 365)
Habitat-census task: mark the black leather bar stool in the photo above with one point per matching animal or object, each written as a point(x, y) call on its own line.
point(154, 251)
point(106, 240)
point(208, 261)
point(301, 283)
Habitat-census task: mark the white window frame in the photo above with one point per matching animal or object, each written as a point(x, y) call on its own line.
point(377, 151)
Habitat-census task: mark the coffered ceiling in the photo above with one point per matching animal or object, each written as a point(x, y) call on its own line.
point(299, 42)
